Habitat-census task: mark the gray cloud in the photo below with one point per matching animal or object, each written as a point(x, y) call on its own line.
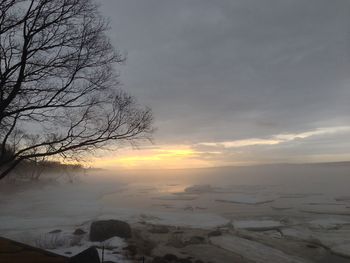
point(324, 147)
point(230, 70)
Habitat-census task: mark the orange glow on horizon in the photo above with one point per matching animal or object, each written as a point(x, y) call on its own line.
point(164, 157)
point(250, 151)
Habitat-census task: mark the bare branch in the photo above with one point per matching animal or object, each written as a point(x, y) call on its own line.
point(59, 91)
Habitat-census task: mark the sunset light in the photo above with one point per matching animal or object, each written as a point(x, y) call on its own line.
point(222, 153)
point(163, 157)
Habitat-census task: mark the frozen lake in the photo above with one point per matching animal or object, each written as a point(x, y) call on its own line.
point(301, 201)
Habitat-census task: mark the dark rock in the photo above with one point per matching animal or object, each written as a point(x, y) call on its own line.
point(170, 257)
point(184, 260)
point(105, 229)
point(79, 232)
point(159, 230)
point(89, 255)
point(56, 231)
point(214, 233)
point(68, 253)
point(199, 261)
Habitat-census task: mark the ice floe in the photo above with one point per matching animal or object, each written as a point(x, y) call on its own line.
point(179, 197)
point(336, 240)
point(281, 206)
point(342, 198)
point(257, 225)
point(194, 220)
point(298, 233)
point(327, 211)
point(327, 223)
point(323, 203)
point(199, 189)
point(293, 195)
point(342, 250)
point(254, 251)
point(183, 218)
point(246, 199)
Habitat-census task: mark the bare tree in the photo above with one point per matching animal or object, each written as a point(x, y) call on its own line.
point(58, 86)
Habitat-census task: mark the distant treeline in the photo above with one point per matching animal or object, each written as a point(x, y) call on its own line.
point(35, 168)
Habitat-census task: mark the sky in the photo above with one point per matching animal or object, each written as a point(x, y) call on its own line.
point(235, 82)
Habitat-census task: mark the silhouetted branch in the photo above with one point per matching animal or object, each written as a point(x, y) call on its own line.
point(58, 87)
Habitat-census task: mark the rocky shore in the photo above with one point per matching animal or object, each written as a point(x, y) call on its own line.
point(152, 243)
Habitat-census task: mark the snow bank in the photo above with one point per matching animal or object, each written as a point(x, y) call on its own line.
point(113, 249)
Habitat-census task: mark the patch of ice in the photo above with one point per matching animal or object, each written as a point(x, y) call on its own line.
point(194, 220)
point(323, 203)
point(342, 198)
point(207, 188)
point(178, 197)
point(281, 206)
point(114, 242)
point(168, 206)
point(327, 223)
point(294, 195)
point(12, 223)
point(246, 199)
point(257, 225)
point(254, 251)
point(328, 211)
point(332, 238)
point(298, 233)
point(187, 219)
point(327, 238)
point(342, 250)
point(199, 189)
point(273, 233)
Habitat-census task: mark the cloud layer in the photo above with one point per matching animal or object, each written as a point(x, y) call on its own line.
point(229, 72)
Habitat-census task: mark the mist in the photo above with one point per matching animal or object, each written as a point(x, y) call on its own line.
point(253, 198)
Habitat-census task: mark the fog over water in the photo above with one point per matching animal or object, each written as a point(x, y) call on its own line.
point(327, 177)
point(293, 197)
